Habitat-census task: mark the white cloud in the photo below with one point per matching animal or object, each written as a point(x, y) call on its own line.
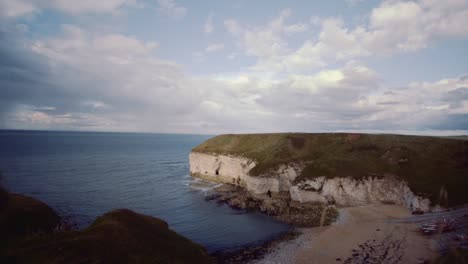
point(16, 8)
point(112, 73)
point(264, 41)
point(199, 56)
point(91, 91)
point(232, 56)
point(407, 26)
point(112, 81)
point(392, 27)
point(208, 26)
point(215, 47)
point(334, 43)
point(96, 105)
point(172, 9)
point(40, 108)
point(27, 119)
point(353, 2)
point(83, 6)
point(296, 28)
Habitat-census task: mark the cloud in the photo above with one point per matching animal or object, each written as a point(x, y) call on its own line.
point(199, 56)
point(108, 80)
point(25, 117)
point(353, 2)
point(402, 26)
point(334, 43)
point(208, 26)
point(262, 41)
point(408, 26)
point(102, 6)
point(17, 8)
point(329, 96)
point(350, 98)
point(12, 9)
point(423, 104)
point(392, 27)
point(172, 9)
point(232, 56)
point(96, 105)
point(296, 28)
point(83, 80)
point(79, 73)
point(214, 47)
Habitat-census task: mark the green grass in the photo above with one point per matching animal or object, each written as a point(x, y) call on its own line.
point(426, 163)
point(120, 236)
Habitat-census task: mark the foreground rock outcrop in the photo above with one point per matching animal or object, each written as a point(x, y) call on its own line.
point(21, 216)
point(282, 171)
point(30, 233)
point(120, 236)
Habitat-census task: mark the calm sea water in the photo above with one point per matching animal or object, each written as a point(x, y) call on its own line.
point(84, 174)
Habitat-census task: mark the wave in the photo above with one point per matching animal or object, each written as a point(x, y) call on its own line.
point(202, 185)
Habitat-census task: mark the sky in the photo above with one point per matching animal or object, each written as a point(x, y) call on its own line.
point(239, 66)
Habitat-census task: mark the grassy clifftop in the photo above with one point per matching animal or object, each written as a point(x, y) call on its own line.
point(426, 163)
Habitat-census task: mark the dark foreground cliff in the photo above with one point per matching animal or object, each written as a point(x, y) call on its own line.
point(29, 234)
point(22, 216)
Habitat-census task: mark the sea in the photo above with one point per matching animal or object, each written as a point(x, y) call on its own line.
point(83, 175)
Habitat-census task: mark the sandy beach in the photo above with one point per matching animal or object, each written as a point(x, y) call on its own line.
point(361, 235)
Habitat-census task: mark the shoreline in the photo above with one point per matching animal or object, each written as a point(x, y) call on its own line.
point(360, 235)
point(254, 251)
point(373, 233)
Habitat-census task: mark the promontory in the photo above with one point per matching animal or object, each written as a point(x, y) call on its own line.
point(287, 174)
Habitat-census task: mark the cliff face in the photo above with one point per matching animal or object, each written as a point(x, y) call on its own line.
point(235, 170)
point(351, 192)
point(339, 190)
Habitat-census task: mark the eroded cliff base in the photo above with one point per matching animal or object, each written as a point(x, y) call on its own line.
point(278, 205)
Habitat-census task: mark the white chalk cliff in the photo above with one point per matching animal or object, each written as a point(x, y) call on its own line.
point(339, 190)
